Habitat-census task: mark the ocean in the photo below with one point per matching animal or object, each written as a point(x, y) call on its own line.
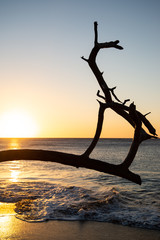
point(50, 191)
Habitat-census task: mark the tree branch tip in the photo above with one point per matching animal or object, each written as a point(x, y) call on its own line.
point(111, 89)
point(96, 33)
point(156, 137)
point(98, 94)
point(118, 46)
point(147, 114)
point(125, 101)
point(85, 59)
point(99, 102)
point(132, 104)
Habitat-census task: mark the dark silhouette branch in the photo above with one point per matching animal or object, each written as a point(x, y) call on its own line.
point(147, 114)
point(117, 107)
point(134, 117)
point(98, 94)
point(129, 113)
point(92, 62)
point(114, 95)
point(84, 59)
point(98, 130)
point(136, 140)
point(95, 33)
point(125, 101)
point(69, 159)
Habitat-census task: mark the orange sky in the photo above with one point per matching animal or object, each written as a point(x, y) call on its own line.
point(51, 90)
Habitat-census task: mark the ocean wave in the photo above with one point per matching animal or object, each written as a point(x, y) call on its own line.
point(42, 201)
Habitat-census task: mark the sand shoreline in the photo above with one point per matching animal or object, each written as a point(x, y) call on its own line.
point(13, 228)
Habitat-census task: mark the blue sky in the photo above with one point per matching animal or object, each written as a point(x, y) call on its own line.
point(42, 71)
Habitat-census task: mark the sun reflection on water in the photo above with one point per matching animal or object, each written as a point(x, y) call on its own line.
point(14, 167)
point(14, 175)
point(14, 144)
point(6, 221)
point(7, 209)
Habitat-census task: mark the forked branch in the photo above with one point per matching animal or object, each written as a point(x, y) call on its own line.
point(130, 114)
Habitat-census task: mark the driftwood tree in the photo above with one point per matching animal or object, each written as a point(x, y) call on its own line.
point(129, 113)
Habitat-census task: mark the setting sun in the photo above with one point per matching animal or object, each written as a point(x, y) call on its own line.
point(17, 124)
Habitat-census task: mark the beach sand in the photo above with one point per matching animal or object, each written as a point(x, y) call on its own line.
point(13, 228)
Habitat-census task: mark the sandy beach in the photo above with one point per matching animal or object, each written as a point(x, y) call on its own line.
point(13, 228)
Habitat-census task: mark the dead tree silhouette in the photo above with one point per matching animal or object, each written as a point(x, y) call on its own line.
point(129, 113)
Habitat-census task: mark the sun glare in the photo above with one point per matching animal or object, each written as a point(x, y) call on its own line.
point(14, 175)
point(17, 124)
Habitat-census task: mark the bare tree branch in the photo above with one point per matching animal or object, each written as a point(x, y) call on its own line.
point(69, 159)
point(125, 101)
point(114, 95)
point(95, 33)
point(130, 114)
point(93, 65)
point(98, 130)
point(134, 117)
point(147, 114)
point(98, 94)
point(136, 140)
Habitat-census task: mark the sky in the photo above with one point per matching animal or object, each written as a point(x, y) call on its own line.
point(45, 85)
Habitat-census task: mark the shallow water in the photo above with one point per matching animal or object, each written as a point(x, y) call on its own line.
point(45, 190)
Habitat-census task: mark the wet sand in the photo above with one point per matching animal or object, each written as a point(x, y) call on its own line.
point(13, 228)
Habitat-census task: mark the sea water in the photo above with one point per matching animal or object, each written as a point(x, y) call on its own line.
point(48, 191)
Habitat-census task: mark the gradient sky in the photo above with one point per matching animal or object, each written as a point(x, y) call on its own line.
point(42, 72)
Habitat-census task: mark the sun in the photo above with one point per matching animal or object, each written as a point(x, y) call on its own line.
point(17, 124)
